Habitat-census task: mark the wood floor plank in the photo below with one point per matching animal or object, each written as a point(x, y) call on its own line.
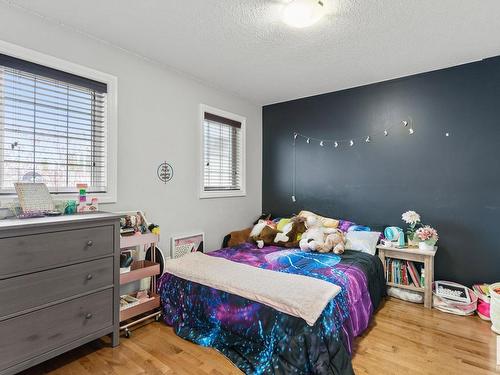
point(403, 338)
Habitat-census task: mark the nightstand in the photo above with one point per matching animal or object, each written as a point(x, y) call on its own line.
point(416, 255)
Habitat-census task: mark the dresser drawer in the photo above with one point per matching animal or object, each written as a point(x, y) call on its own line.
point(28, 291)
point(45, 250)
point(33, 334)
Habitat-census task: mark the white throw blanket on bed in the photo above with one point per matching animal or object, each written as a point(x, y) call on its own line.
point(301, 296)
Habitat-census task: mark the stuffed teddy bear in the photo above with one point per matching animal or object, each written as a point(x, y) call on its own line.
point(321, 239)
point(292, 233)
point(314, 237)
point(334, 241)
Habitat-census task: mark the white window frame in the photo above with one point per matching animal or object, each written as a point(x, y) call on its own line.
point(232, 116)
point(111, 121)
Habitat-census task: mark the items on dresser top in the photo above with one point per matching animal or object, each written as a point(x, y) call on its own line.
point(35, 200)
point(34, 197)
point(59, 283)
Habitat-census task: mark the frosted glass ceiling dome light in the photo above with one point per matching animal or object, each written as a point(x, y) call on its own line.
point(303, 13)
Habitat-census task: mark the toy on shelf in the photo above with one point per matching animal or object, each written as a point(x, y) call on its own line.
point(126, 260)
point(155, 229)
point(92, 207)
point(82, 189)
point(134, 223)
point(83, 206)
point(70, 207)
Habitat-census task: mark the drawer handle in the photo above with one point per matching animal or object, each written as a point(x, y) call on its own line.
point(89, 243)
point(88, 316)
point(89, 276)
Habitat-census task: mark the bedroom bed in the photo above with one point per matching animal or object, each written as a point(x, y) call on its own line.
point(259, 339)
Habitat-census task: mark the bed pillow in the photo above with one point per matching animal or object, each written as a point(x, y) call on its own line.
point(365, 242)
point(359, 228)
point(344, 225)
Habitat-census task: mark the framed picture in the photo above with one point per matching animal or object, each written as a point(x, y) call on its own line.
point(34, 197)
point(182, 245)
point(452, 291)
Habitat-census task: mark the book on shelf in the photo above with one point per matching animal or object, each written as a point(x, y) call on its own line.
point(403, 272)
point(414, 274)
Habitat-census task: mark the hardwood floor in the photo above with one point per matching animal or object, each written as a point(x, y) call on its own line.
point(403, 339)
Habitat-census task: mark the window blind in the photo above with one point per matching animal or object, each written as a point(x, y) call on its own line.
point(52, 128)
point(222, 153)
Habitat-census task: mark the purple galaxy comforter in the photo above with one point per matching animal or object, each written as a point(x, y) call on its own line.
point(261, 340)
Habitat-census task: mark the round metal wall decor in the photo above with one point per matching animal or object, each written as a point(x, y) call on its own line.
point(165, 172)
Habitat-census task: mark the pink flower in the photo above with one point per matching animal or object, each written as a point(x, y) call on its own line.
point(427, 233)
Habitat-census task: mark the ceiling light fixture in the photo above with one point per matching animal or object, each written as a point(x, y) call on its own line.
point(303, 13)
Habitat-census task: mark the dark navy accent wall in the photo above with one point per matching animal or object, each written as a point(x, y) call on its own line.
point(453, 182)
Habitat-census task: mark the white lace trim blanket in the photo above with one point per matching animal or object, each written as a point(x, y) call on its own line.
point(297, 295)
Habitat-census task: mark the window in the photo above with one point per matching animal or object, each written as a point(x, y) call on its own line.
point(53, 128)
point(223, 169)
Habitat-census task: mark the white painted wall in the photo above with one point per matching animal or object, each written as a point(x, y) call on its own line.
point(158, 119)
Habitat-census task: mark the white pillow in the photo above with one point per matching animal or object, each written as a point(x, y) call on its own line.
point(365, 242)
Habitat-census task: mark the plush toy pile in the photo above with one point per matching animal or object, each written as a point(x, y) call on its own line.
point(307, 230)
point(322, 239)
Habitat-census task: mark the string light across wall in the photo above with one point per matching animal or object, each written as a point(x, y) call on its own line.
point(348, 142)
point(336, 143)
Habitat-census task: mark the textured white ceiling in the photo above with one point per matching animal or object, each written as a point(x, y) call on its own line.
point(243, 47)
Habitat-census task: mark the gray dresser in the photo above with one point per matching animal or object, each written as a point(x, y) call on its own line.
point(59, 286)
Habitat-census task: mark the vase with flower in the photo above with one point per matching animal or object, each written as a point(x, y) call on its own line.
point(413, 220)
point(427, 237)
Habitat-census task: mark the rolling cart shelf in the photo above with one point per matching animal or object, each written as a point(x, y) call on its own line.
point(143, 307)
point(138, 240)
point(139, 270)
